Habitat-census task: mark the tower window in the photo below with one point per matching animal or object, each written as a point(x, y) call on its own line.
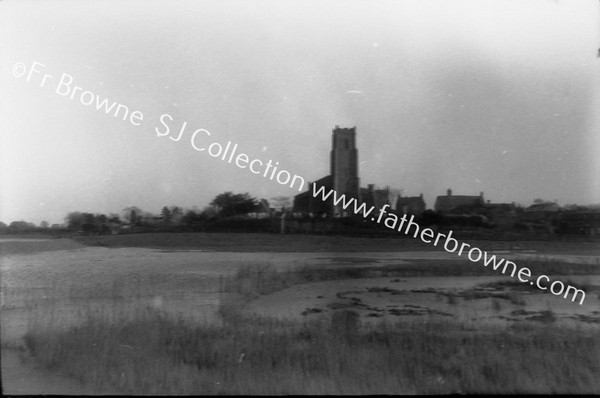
point(346, 143)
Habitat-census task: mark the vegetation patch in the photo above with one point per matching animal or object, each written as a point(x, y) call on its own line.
point(152, 353)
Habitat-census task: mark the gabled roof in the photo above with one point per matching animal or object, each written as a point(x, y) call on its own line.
point(326, 181)
point(546, 206)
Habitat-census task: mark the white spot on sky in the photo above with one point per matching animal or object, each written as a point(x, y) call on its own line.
point(167, 86)
point(504, 152)
point(264, 148)
point(353, 92)
point(375, 44)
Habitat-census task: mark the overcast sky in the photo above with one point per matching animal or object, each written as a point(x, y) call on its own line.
point(495, 96)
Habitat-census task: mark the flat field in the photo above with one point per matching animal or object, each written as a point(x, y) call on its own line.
point(271, 314)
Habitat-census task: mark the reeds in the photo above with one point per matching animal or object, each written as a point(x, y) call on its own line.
point(153, 353)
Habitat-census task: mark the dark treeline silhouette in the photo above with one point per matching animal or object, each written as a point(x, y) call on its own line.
point(236, 212)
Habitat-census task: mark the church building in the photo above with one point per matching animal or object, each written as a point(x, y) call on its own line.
point(343, 179)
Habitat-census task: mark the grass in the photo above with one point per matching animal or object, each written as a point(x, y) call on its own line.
point(153, 353)
point(143, 351)
point(149, 352)
point(252, 281)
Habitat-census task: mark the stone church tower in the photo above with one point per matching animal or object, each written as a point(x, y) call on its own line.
point(344, 164)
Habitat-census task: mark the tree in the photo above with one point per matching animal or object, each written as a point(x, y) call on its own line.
point(101, 224)
point(132, 215)
point(165, 213)
point(229, 204)
point(147, 218)
point(44, 225)
point(74, 220)
point(190, 218)
point(176, 215)
point(21, 227)
point(209, 213)
point(89, 224)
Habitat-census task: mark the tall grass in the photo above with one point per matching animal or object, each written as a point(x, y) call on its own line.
point(152, 353)
point(144, 351)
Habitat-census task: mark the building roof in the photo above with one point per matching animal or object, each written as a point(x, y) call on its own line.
point(449, 202)
point(546, 206)
point(376, 197)
point(507, 206)
point(326, 181)
point(407, 200)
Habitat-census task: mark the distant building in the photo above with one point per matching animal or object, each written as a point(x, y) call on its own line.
point(502, 215)
point(377, 197)
point(541, 212)
point(305, 203)
point(545, 207)
point(343, 179)
point(410, 204)
point(580, 222)
point(454, 203)
point(344, 165)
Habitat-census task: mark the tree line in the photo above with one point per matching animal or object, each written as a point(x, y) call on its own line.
point(224, 206)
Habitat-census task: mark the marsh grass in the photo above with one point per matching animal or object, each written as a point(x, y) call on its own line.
point(253, 280)
point(144, 351)
point(153, 353)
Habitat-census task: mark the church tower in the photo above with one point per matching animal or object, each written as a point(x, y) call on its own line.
point(344, 164)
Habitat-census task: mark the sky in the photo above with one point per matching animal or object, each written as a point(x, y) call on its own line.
point(493, 96)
